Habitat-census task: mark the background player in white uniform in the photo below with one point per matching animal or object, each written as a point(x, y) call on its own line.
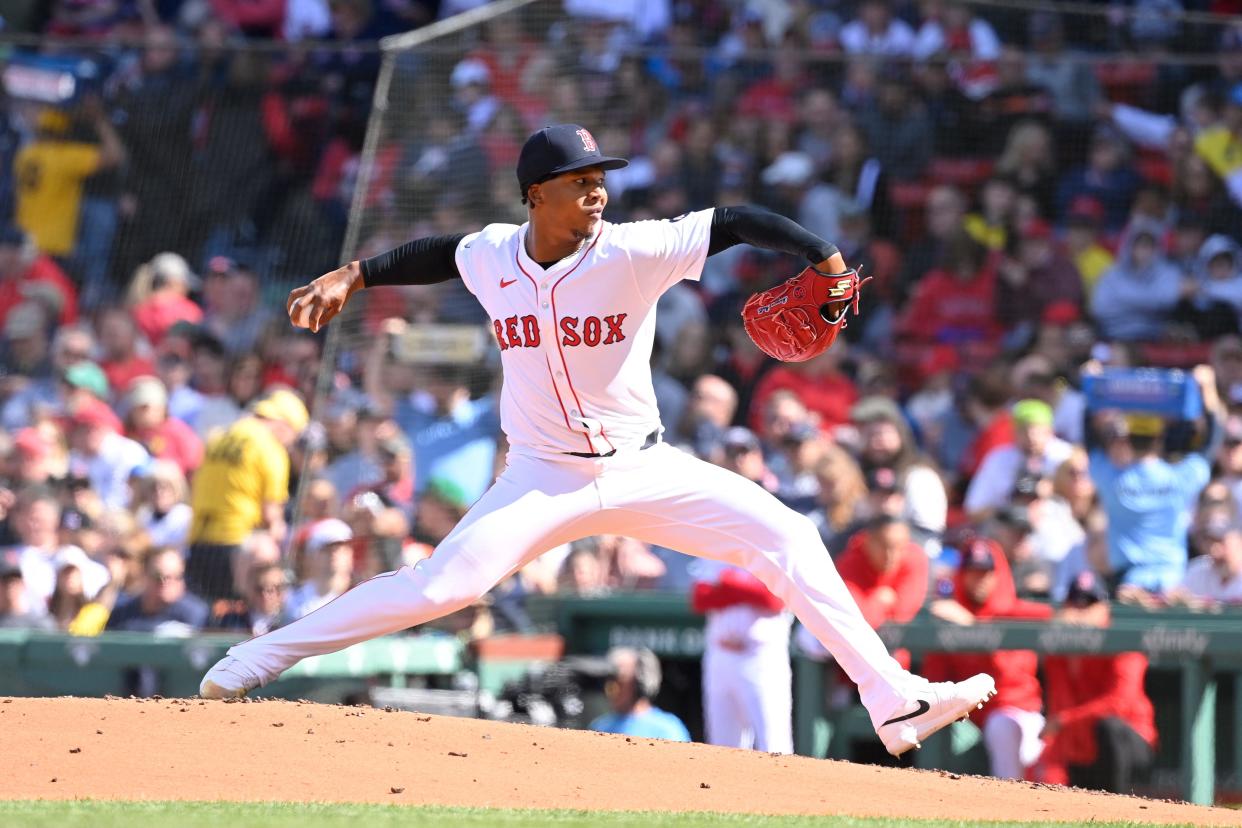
point(747, 681)
point(572, 303)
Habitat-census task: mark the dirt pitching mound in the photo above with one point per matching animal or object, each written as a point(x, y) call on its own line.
point(299, 751)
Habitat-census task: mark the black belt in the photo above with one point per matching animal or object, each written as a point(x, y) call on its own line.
point(652, 439)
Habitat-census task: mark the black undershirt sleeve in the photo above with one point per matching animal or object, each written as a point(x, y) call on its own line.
point(763, 228)
point(420, 262)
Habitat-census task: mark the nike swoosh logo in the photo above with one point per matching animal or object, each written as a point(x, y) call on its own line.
point(505, 284)
point(923, 708)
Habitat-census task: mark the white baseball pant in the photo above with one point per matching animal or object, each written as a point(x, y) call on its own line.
point(748, 698)
point(661, 495)
point(1012, 739)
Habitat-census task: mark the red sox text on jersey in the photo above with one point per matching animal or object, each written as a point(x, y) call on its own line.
point(523, 331)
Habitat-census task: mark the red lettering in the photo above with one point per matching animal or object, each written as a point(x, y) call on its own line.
point(530, 327)
point(500, 335)
point(590, 331)
point(511, 331)
point(569, 326)
point(614, 328)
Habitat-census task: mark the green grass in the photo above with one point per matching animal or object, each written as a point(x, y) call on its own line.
point(96, 814)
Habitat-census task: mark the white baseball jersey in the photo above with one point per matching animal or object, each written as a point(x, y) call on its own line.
point(576, 339)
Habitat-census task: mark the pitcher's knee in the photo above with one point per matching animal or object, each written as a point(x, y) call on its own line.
point(450, 594)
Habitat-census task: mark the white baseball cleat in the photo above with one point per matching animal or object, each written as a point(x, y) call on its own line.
point(934, 707)
point(229, 679)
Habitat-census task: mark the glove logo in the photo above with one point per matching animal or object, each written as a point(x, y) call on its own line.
point(771, 305)
point(843, 287)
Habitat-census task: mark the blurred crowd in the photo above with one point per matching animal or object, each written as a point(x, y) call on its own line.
point(1035, 204)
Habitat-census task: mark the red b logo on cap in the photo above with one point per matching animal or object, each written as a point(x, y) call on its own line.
point(588, 141)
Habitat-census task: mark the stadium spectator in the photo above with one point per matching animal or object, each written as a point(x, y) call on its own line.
point(887, 573)
point(118, 344)
point(944, 212)
point(956, 302)
point(161, 504)
point(1212, 294)
point(329, 567)
point(1033, 276)
point(711, 410)
point(159, 296)
point(896, 129)
point(820, 384)
point(164, 437)
point(51, 170)
point(164, 604)
point(984, 590)
point(743, 454)
point(242, 485)
point(263, 608)
point(107, 458)
point(841, 494)
point(395, 486)
point(876, 31)
point(1147, 498)
point(1035, 450)
point(1100, 730)
point(352, 433)
point(1214, 578)
point(238, 318)
point(453, 436)
point(23, 269)
point(1134, 299)
point(634, 683)
point(1084, 220)
point(15, 609)
point(887, 443)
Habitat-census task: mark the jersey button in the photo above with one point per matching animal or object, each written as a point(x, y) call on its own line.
point(545, 304)
point(574, 412)
point(560, 375)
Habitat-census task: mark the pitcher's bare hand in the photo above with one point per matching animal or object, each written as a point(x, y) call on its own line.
point(313, 306)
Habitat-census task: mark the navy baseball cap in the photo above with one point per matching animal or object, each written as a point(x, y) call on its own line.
point(558, 149)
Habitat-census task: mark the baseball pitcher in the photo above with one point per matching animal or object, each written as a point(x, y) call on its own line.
point(571, 299)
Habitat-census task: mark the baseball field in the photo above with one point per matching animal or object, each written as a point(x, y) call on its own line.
point(186, 762)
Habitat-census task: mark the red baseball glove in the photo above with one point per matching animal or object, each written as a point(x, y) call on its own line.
point(801, 318)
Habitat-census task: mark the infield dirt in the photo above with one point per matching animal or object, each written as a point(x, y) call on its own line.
point(187, 749)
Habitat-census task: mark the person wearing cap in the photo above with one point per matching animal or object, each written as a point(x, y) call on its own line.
point(329, 567)
point(242, 485)
point(887, 443)
point(1135, 298)
point(1101, 726)
point(24, 351)
point(572, 299)
point(1084, 219)
point(159, 296)
point(85, 376)
point(983, 590)
point(1149, 500)
point(1035, 449)
point(99, 447)
point(263, 607)
point(742, 454)
point(33, 458)
point(147, 422)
